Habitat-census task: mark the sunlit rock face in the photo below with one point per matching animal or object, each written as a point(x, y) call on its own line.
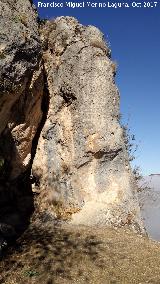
point(81, 163)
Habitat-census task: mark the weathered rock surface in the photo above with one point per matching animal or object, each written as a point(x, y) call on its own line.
point(81, 162)
point(21, 92)
point(21, 82)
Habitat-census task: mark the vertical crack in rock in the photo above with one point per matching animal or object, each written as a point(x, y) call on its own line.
point(81, 160)
point(44, 108)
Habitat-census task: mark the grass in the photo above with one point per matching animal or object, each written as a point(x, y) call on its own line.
point(68, 255)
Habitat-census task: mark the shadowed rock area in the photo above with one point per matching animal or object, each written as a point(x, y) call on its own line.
point(21, 93)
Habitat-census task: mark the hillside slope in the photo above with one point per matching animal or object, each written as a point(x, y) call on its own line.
point(69, 255)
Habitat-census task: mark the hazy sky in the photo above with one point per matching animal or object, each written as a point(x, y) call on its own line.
point(134, 35)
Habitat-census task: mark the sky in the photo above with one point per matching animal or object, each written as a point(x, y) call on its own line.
point(134, 36)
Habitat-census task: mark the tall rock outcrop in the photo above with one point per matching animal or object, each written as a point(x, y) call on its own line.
point(81, 163)
point(21, 92)
point(59, 118)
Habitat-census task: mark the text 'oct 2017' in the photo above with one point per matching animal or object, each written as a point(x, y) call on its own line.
point(89, 4)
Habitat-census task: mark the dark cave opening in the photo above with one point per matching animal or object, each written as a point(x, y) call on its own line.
point(16, 196)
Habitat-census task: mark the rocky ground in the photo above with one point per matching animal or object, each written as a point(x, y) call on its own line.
point(67, 255)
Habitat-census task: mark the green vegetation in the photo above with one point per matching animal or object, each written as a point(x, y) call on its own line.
point(16, 19)
point(20, 19)
point(31, 273)
point(2, 55)
point(131, 146)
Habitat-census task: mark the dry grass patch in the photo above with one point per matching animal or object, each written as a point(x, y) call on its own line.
point(70, 254)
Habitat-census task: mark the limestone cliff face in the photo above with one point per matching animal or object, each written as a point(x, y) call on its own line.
point(81, 161)
point(21, 82)
point(59, 124)
point(21, 92)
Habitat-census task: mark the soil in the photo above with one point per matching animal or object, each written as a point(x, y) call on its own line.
point(72, 254)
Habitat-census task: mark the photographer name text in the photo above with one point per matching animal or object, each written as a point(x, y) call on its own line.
point(87, 4)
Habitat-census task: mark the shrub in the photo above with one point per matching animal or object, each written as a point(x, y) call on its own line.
point(2, 55)
point(20, 19)
point(132, 147)
point(114, 66)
